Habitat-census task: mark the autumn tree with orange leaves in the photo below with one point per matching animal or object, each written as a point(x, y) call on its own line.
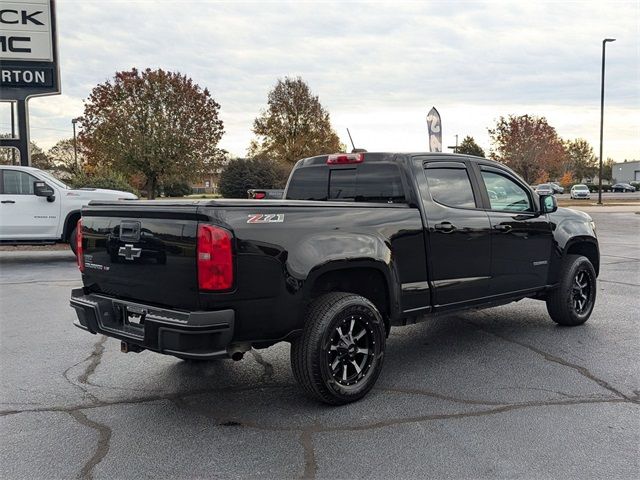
point(528, 145)
point(152, 123)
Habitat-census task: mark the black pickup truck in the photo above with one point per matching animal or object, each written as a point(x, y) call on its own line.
point(360, 242)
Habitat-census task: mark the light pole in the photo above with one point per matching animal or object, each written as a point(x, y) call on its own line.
point(604, 44)
point(75, 148)
point(13, 133)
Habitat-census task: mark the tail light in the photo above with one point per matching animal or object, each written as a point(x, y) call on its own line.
point(260, 195)
point(215, 258)
point(345, 158)
point(79, 251)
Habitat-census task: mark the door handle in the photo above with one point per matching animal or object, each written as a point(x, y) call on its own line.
point(8, 201)
point(444, 227)
point(503, 227)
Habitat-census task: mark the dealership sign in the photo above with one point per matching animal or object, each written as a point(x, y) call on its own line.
point(28, 49)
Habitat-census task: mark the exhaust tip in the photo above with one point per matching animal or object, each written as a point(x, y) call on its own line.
point(237, 356)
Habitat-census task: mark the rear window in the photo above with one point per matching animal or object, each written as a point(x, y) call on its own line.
point(374, 182)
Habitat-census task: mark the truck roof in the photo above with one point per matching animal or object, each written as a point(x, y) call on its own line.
point(20, 167)
point(388, 156)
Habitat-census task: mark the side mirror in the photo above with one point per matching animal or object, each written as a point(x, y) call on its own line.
point(548, 203)
point(41, 189)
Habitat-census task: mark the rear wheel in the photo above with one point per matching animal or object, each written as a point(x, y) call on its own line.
point(572, 301)
point(339, 355)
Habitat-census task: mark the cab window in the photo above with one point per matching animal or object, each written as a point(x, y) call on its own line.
point(370, 182)
point(505, 194)
point(450, 187)
point(15, 182)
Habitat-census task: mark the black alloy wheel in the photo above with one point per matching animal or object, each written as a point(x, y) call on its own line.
point(350, 350)
point(581, 291)
point(338, 357)
point(571, 302)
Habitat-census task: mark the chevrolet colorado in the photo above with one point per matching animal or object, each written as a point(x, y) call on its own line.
point(360, 242)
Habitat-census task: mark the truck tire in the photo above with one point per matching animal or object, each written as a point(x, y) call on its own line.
point(338, 357)
point(572, 301)
point(72, 240)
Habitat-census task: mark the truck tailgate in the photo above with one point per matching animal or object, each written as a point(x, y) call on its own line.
point(145, 252)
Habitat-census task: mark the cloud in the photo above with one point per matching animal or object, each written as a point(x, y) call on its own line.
point(377, 66)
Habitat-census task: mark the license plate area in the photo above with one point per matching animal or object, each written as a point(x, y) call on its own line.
point(132, 319)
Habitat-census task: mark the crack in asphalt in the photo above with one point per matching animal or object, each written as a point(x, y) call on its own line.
point(268, 367)
point(561, 361)
point(429, 393)
point(310, 463)
point(104, 442)
point(104, 432)
point(306, 433)
point(96, 358)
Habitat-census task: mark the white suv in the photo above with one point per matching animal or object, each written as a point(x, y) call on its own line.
point(36, 207)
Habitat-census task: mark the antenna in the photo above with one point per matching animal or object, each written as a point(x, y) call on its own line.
point(352, 144)
point(355, 150)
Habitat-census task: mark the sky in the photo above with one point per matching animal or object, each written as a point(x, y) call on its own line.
point(377, 67)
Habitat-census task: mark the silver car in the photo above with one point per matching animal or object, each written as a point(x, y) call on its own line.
point(580, 191)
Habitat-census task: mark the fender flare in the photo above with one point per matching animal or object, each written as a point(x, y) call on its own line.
point(68, 226)
point(389, 275)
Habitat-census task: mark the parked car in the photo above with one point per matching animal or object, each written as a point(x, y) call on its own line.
point(359, 243)
point(265, 194)
point(580, 191)
point(545, 189)
point(623, 187)
point(556, 187)
point(37, 208)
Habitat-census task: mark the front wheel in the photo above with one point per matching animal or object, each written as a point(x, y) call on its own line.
point(338, 357)
point(73, 240)
point(572, 301)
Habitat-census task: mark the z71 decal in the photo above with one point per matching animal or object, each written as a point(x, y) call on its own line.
point(266, 218)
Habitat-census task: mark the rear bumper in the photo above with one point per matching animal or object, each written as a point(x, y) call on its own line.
point(198, 335)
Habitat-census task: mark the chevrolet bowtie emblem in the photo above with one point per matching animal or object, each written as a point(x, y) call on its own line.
point(129, 252)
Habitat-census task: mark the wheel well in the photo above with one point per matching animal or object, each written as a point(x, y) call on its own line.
point(586, 249)
point(69, 225)
point(367, 282)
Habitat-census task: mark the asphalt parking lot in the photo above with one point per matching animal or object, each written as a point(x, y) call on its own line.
point(499, 393)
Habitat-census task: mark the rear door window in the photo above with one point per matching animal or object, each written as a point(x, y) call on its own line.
point(450, 187)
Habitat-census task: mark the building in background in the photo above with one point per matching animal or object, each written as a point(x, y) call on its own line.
point(627, 171)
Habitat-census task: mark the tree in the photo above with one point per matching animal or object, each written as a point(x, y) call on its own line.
point(580, 158)
point(567, 180)
point(527, 144)
point(470, 147)
point(607, 169)
point(63, 156)
point(153, 123)
point(542, 177)
point(241, 174)
point(39, 159)
point(294, 126)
